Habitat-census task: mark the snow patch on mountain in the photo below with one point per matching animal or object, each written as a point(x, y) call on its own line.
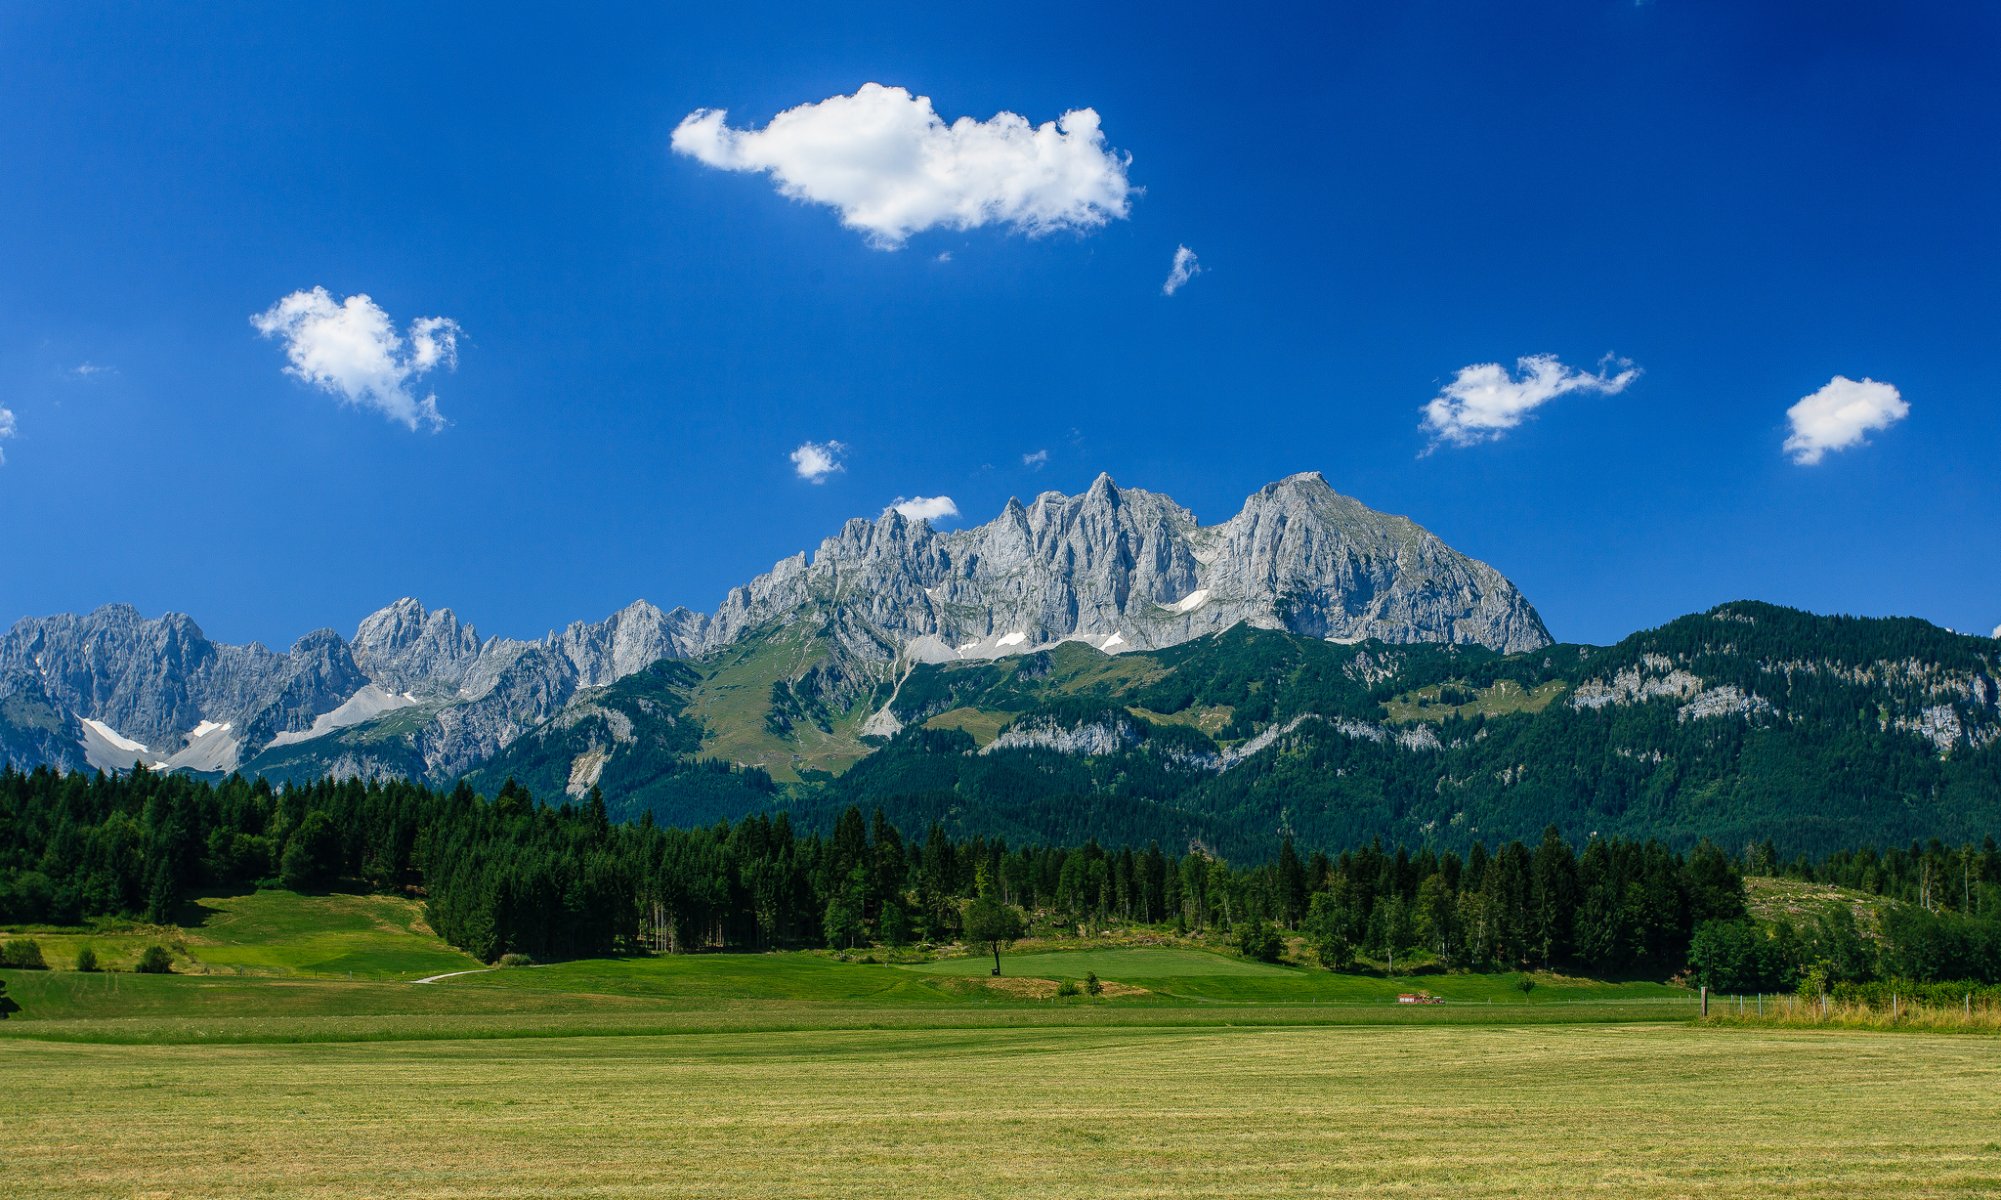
point(1189, 603)
point(365, 705)
point(107, 749)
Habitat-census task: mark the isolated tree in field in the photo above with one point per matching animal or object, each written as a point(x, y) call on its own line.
point(7, 1006)
point(155, 961)
point(86, 959)
point(1525, 983)
point(990, 923)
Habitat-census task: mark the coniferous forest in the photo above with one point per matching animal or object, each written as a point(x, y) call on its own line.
point(509, 875)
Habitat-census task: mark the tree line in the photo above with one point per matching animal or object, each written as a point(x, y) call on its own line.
point(1944, 924)
point(506, 874)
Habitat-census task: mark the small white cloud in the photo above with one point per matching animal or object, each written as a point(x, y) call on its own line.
point(351, 350)
point(1035, 460)
point(1841, 415)
point(1485, 400)
point(1183, 269)
point(926, 508)
point(814, 461)
point(88, 369)
point(892, 167)
point(944, 256)
point(7, 429)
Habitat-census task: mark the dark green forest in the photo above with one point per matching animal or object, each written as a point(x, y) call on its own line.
point(509, 875)
point(1814, 731)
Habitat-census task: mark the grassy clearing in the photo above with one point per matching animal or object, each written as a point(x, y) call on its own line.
point(982, 724)
point(1461, 1112)
point(734, 697)
point(1501, 699)
point(783, 990)
point(274, 933)
point(1800, 902)
point(1212, 719)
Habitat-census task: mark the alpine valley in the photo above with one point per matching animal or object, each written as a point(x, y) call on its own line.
point(1099, 665)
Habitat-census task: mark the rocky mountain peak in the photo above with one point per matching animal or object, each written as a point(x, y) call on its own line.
point(1119, 567)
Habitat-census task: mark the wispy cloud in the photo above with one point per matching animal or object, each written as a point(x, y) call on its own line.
point(926, 508)
point(1840, 415)
point(7, 430)
point(1183, 269)
point(351, 350)
point(1035, 460)
point(891, 166)
point(814, 461)
point(88, 370)
point(1484, 401)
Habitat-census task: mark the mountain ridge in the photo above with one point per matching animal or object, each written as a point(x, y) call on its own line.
point(1123, 568)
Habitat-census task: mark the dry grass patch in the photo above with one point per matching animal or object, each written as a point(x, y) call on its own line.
point(1025, 1113)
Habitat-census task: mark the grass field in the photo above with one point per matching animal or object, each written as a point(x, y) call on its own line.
point(1440, 1110)
point(804, 1074)
point(274, 933)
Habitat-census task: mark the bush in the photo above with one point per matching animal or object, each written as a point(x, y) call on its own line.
point(1091, 985)
point(1067, 988)
point(1258, 940)
point(155, 961)
point(23, 954)
point(7, 1006)
point(512, 959)
point(86, 959)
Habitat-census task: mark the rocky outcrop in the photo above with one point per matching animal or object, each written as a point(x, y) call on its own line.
point(1129, 569)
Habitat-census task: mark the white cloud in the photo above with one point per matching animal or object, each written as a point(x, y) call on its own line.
point(1485, 400)
point(814, 461)
point(1184, 269)
point(1997, 633)
point(88, 369)
point(6, 429)
point(1035, 460)
point(1840, 415)
point(351, 350)
point(926, 508)
point(892, 167)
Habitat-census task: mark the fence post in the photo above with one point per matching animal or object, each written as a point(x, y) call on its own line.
point(1705, 999)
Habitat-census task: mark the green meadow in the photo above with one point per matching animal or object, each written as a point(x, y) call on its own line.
point(294, 1053)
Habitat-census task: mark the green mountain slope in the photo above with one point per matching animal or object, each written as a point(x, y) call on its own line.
point(1744, 723)
point(639, 743)
point(1747, 722)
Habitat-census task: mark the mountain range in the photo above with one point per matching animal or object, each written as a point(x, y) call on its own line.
point(1120, 568)
point(1099, 662)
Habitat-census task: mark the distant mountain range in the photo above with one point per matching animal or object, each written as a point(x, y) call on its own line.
point(1119, 568)
point(1098, 664)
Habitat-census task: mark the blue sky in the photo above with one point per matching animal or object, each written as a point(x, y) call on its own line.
point(1741, 201)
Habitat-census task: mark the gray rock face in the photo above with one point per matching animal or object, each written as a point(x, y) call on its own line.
point(154, 681)
point(1130, 569)
point(1120, 567)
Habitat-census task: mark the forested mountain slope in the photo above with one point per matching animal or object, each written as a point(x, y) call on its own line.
point(1747, 722)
